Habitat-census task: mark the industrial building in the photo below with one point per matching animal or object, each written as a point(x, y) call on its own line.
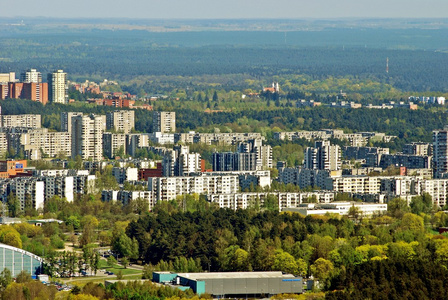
point(233, 284)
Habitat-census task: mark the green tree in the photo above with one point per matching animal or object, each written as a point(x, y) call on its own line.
point(285, 262)
point(5, 279)
point(397, 207)
point(111, 261)
point(322, 269)
point(23, 276)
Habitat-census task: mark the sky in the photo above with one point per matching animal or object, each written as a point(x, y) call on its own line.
point(227, 9)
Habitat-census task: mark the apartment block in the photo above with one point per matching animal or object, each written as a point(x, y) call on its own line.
point(28, 120)
point(66, 120)
point(406, 160)
point(87, 136)
point(323, 156)
point(440, 148)
point(31, 76)
point(420, 148)
point(125, 174)
point(122, 121)
point(28, 190)
point(283, 200)
point(168, 188)
point(113, 143)
point(58, 87)
point(126, 197)
point(164, 122)
point(38, 142)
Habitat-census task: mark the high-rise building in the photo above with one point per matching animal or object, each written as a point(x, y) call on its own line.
point(440, 152)
point(114, 144)
point(87, 136)
point(58, 87)
point(122, 121)
point(8, 77)
point(164, 121)
point(251, 156)
point(31, 76)
point(323, 156)
point(66, 120)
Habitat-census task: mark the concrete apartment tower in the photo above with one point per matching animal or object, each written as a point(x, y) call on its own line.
point(440, 152)
point(58, 87)
point(31, 76)
point(163, 121)
point(87, 136)
point(122, 121)
point(323, 156)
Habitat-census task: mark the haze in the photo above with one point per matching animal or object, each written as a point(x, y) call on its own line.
point(233, 9)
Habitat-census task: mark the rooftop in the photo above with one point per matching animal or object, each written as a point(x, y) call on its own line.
point(225, 275)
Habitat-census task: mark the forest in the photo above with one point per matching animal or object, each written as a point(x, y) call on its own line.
point(96, 54)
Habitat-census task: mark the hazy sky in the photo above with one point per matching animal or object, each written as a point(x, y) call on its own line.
point(212, 9)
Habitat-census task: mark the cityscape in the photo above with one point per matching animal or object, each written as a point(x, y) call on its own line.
point(208, 158)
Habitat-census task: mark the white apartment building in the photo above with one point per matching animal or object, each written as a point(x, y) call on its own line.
point(57, 87)
point(87, 137)
point(28, 120)
point(122, 121)
point(284, 199)
point(39, 142)
point(59, 186)
point(31, 76)
point(355, 184)
point(126, 197)
point(29, 188)
point(125, 174)
point(162, 138)
point(112, 143)
point(168, 188)
point(164, 122)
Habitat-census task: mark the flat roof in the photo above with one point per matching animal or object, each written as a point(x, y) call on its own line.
point(234, 275)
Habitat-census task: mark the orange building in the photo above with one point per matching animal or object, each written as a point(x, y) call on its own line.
point(32, 91)
point(36, 92)
point(10, 168)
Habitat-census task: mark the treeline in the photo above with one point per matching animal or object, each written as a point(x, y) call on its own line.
point(406, 279)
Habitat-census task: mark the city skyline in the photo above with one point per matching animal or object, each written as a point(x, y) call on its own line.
point(249, 9)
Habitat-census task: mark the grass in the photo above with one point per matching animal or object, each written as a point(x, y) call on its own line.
point(115, 268)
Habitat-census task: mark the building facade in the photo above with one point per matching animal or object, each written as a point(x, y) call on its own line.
point(58, 87)
point(87, 137)
point(164, 121)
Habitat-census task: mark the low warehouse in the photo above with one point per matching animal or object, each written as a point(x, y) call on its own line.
point(233, 284)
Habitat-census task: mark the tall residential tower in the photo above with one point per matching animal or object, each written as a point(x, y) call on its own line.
point(58, 87)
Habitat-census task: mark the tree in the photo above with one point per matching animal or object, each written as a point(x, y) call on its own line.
point(23, 276)
point(125, 262)
point(397, 207)
point(125, 246)
point(120, 275)
point(13, 205)
point(5, 279)
point(322, 269)
point(215, 97)
point(285, 262)
point(111, 261)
